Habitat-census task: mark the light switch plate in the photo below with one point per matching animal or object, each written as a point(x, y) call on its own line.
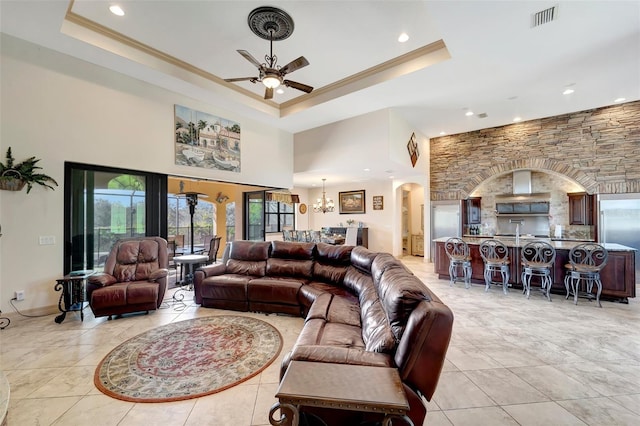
point(47, 240)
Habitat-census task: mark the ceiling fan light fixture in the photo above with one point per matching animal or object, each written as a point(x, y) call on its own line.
point(271, 81)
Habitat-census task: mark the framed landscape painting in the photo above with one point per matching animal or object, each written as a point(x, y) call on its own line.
point(205, 140)
point(352, 202)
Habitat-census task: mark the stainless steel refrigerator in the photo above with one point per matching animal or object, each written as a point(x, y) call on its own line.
point(445, 221)
point(619, 222)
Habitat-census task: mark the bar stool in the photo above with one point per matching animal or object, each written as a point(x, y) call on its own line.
point(496, 259)
point(538, 258)
point(585, 263)
point(459, 258)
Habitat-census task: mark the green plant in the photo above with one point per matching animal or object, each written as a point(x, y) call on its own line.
point(25, 171)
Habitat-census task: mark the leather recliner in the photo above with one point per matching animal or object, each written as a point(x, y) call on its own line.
point(134, 278)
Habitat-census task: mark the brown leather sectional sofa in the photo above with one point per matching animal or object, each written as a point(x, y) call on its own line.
point(360, 307)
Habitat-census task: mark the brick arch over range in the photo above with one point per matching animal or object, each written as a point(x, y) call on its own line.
point(539, 164)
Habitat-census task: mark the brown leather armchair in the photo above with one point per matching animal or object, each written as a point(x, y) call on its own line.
point(134, 278)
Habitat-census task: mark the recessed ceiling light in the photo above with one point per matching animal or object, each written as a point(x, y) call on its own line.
point(116, 10)
point(391, 177)
point(619, 100)
point(468, 113)
point(568, 91)
point(280, 91)
point(443, 133)
point(516, 119)
point(367, 170)
point(403, 37)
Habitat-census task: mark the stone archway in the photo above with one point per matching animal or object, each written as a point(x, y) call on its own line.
point(539, 164)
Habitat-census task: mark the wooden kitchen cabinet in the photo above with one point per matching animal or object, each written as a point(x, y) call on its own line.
point(417, 245)
point(581, 209)
point(473, 210)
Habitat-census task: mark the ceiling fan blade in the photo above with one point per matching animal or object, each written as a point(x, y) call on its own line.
point(251, 79)
point(294, 65)
point(268, 93)
point(298, 86)
point(250, 58)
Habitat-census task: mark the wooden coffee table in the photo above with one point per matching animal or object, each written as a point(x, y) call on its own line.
point(339, 386)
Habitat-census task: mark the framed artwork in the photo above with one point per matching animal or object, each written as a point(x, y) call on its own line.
point(204, 140)
point(352, 202)
point(302, 208)
point(412, 147)
point(378, 202)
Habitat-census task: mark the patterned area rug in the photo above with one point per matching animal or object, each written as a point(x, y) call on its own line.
point(188, 359)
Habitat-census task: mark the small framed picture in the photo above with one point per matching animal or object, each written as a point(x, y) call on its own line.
point(378, 202)
point(352, 202)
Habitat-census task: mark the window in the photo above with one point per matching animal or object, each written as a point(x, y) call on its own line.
point(279, 216)
point(231, 221)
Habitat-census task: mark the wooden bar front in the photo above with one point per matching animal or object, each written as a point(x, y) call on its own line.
point(618, 276)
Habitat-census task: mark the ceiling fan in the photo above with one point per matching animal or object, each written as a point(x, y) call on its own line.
point(272, 24)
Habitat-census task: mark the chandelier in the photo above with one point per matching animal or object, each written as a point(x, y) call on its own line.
point(324, 204)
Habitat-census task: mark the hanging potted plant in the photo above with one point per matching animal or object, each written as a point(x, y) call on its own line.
point(13, 177)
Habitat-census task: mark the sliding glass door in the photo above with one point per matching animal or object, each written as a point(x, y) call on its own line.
point(103, 205)
point(254, 216)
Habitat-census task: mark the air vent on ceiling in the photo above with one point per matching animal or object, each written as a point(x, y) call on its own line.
point(482, 115)
point(544, 16)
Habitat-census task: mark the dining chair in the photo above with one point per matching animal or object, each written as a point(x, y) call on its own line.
point(214, 246)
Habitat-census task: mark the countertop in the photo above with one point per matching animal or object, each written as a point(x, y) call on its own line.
point(562, 245)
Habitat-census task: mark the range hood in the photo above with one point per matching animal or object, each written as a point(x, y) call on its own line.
point(522, 182)
point(521, 190)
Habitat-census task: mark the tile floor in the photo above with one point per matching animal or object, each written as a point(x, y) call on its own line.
point(511, 361)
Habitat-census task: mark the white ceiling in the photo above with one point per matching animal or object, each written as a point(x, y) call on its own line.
point(499, 64)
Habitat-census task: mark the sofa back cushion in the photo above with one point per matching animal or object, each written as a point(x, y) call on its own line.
point(381, 263)
point(400, 292)
point(331, 262)
point(290, 259)
point(248, 258)
point(362, 258)
point(289, 268)
point(376, 331)
point(136, 259)
point(292, 250)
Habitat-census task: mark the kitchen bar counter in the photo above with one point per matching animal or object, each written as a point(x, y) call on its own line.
point(557, 244)
point(618, 276)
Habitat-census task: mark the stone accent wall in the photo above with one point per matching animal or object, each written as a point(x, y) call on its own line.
point(599, 149)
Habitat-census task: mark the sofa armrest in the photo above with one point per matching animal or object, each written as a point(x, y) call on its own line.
point(158, 274)
point(202, 273)
point(101, 279)
point(211, 270)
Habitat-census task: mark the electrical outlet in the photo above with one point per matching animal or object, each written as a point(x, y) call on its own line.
point(19, 295)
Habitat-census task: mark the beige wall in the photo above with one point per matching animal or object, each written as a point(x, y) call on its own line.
point(376, 138)
point(599, 149)
point(61, 109)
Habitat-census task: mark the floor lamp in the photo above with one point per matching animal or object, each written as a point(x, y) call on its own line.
point(192, 200)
